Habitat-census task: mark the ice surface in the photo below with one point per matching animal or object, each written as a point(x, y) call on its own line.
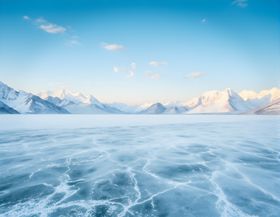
point(141, 165)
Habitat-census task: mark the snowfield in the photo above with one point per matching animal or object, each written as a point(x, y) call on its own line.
point(139, 165)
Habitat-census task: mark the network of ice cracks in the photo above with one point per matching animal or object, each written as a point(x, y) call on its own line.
point(196, 169)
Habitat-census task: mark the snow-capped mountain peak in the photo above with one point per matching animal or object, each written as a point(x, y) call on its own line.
point(65, 101)
point(94, 100)
point(156, 108)
point(7, 92)
point(225, 101)
point(24, 102)
point(65, 94)
point(76, 102)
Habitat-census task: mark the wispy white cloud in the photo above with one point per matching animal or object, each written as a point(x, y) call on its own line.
point(112, 47)
point(130, 71)
point(46, 26)
point(52, 28)
point(156, 63)
point(153, 75)
point(195, 75)
point(240, 3)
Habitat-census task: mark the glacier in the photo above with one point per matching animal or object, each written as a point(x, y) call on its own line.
point(139, 165)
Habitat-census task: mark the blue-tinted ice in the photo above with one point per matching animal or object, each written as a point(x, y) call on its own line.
point(187, 168)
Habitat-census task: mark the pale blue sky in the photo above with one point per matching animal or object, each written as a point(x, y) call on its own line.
point(194, 45)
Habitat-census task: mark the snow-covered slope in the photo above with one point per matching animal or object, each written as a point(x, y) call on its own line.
point(168, 108)
point(66, 96)
point(175, 108)
point(226, 101)
point(78, 103)
point(4, 109)
point(271, 109)
point(24, 102)
point(156, 108)
point(64, 101)
point(259, 100)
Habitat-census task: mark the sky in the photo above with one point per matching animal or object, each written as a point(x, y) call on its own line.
point(137, 51)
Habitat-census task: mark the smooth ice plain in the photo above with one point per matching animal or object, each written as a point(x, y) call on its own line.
point(129, 165)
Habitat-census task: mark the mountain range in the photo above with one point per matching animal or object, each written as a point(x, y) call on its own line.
point(13, 101)
point(71, 102)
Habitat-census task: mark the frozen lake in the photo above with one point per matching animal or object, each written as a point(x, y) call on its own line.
point(137, 165)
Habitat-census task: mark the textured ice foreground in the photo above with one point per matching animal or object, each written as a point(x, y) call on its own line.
point(139, 166)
